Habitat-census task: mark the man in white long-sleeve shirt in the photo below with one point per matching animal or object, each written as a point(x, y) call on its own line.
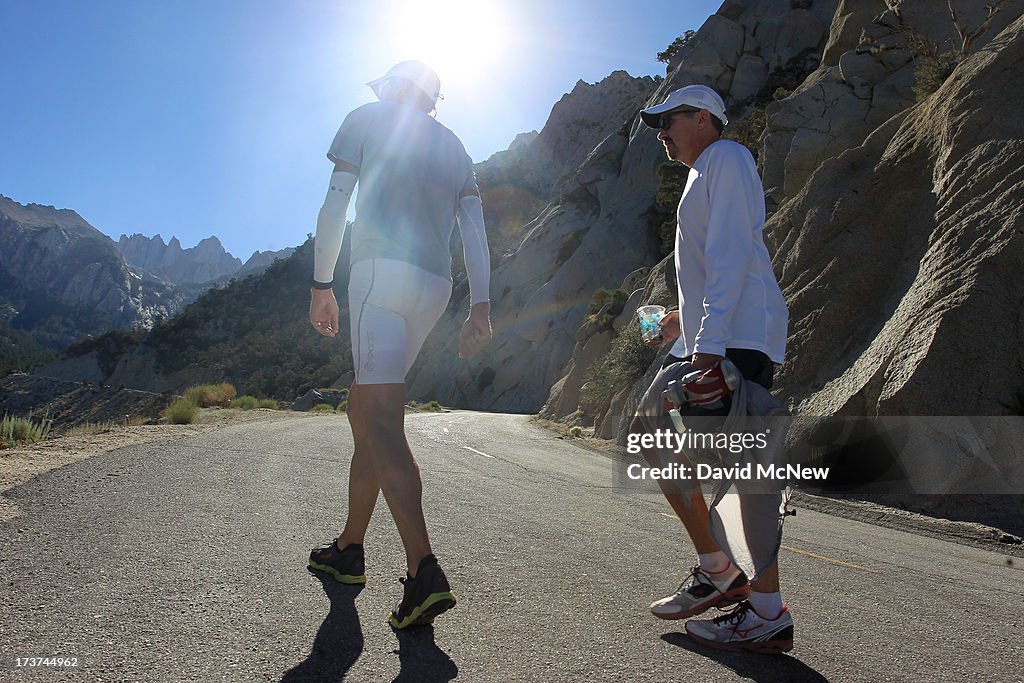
point(730, 305)
point(415, 182)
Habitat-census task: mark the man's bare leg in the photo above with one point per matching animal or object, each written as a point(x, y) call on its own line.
point(362, 484)
point(688, 504)
point(768, 581)
point(378, 415)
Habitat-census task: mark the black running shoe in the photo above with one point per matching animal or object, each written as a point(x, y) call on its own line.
point(424, 598)
point(346, 565)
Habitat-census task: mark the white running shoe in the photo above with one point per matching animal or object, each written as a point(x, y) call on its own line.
point(703, 590)
point(744, 629)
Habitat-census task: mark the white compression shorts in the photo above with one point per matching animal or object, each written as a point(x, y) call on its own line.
point(393, 305)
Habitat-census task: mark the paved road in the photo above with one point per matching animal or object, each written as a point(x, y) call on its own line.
point(185, 561)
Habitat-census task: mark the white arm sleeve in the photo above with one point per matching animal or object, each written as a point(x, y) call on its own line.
point(330, 225)
point(474, 247)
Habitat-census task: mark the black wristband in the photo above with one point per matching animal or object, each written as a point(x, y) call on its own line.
point(321, 285)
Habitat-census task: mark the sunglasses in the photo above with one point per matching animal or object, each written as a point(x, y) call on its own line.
point(666, 120)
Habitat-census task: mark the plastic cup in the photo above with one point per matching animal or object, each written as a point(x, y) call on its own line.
point(650, 316)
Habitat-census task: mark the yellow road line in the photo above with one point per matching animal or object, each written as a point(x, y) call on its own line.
point(810, 554)
point(832, 560)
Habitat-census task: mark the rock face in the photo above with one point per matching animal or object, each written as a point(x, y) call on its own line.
point(205, 262)
point(861, 84)
point(921, 245)
point(518, 183)
point(61, 279)
point(66, 279)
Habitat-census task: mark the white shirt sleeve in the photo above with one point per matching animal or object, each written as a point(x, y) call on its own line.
point(728, 250)
point(474, 246)
point(330, 225)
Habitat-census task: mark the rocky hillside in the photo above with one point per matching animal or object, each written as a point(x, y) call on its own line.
point(253, 332)
point(261, 260)
point(898, 225)
point(61, 279)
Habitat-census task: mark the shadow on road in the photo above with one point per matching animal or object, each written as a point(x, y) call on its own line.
point(421, 659)
point(756, 667)
point(338, 643)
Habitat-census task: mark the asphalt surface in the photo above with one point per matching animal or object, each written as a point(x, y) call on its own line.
point(185, 561)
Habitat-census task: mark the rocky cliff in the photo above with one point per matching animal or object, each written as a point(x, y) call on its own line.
point(204, 262)
point(596, 229)
point(899, 255)
point(517, 183)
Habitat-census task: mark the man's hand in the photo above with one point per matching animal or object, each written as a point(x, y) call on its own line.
point(669, 325)
point(703, 361)
point(476, 331)
point(323, 312)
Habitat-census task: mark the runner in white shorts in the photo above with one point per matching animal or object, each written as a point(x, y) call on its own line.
point(415, 182)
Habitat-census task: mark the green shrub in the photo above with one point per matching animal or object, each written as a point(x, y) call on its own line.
point(245, 402)
point(182, 411)
point(576, 432)
point(210, 395)
point(342, 407)
point(322, 408)
point(268, 403)
point(433, 407)
point(933, 72)
point(747, 131)
point(626, 361)
point(615, 301)
point(675, 46)
point(16, 430)
point(661, 216)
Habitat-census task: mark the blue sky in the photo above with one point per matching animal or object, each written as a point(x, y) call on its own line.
point(213, 118)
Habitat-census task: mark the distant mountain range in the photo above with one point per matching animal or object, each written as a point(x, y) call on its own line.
point(61, 279)
point(206, 262)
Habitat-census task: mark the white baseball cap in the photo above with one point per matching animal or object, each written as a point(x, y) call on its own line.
point(696, 96)
point(421, 75)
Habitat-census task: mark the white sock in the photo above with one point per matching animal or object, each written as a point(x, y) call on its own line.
point(767, 605)
point(714, 562)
